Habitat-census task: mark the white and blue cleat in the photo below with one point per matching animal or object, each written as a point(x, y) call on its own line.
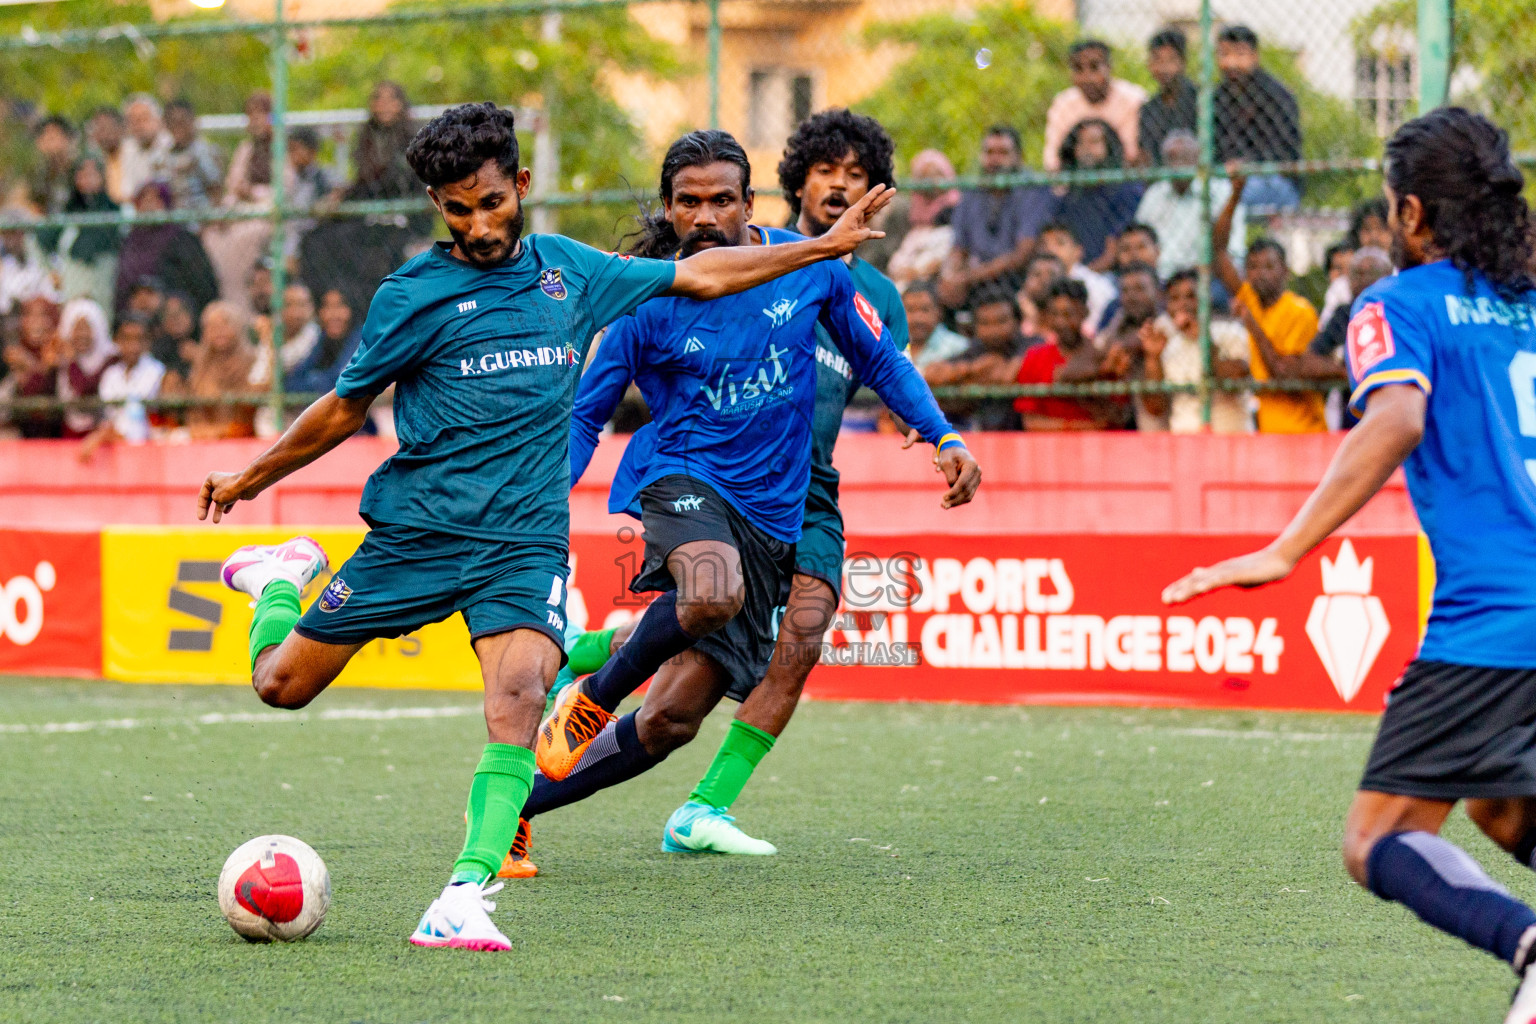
point(460, 919)
point(699, 828)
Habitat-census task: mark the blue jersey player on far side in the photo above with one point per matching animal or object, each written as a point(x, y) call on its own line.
point(1442, 358)
point(484, 338)
point(719, 478)
point(830, 161)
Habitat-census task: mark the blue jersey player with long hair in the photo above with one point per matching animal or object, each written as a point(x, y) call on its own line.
point(484, 338)
point(830, 161)
point(719, 478)
point(1442, 359)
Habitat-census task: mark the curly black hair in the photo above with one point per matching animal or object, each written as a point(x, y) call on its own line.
point(458, 142)
point(829, 135)
point(1458, 164)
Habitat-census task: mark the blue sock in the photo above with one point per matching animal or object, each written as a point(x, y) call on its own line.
point(615, 756)
point(1449, 890)
point(657, 638)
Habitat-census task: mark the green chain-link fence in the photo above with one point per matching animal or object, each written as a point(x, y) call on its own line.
point(279, 144)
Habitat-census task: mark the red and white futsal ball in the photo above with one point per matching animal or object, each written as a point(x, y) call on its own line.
point(274, 887)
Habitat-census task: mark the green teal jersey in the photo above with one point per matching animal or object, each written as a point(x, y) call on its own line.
point(485, 363)
point(836, 383)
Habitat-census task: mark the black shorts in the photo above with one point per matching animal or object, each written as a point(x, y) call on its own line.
point(1457, 731)
point(676, 510)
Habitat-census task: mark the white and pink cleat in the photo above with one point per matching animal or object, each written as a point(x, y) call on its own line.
point(252, 567)
point(460, 919)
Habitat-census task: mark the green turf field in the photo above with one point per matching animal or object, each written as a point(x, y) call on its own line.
point(938, 863)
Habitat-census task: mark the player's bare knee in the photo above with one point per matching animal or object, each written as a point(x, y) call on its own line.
point(512, 697)
point(1503, 821)
point(664, 729)
point(703, 614)
point(279, 687)
point(806, 622)
point(1358, 844)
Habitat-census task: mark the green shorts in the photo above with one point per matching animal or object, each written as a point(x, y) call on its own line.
point(404, 577)
point(819, 551)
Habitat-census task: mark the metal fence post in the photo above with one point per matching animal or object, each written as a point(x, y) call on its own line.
point(546, 143)
point(1434, 35)
point(1205, 123)
point(714, 63)
point(279, 205)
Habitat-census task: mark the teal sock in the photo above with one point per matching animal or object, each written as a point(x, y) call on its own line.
point(743, 747)
point(496, 797)
point(277, 609)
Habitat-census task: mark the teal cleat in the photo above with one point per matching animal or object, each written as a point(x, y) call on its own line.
point(700, 828)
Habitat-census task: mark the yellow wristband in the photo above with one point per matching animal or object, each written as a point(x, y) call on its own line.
point(950, 438)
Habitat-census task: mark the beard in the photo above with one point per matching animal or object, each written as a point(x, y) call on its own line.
point(702, 238)
point(1401, 258)
point(491, 251)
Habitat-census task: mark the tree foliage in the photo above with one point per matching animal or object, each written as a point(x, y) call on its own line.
point(962, 74)
point(1493, 58)
point(508, 61)
point(217, 72)
point(1006, 62)
point(504, 59)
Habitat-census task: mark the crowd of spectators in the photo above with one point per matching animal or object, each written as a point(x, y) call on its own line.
point(183, 310)
point(1095, 282)
point(1080, 283)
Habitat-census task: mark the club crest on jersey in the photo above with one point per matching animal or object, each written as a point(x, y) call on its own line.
point(781, 311)
point(335, 594)
point(1370, 339)
point(867, 314)
point(552, 284)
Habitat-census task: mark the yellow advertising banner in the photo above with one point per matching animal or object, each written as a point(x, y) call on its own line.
point(168, 618)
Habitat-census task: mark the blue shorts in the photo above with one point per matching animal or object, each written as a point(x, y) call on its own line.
point(819, 551)
point(404, 577)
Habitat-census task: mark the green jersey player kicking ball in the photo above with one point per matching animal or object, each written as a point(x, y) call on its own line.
point(484, 338)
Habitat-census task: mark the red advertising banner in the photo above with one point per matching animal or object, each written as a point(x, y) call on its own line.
point(1078, 619)
point(50, 602)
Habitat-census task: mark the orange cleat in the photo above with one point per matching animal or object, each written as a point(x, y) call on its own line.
point(516, 863)
point(567, 733)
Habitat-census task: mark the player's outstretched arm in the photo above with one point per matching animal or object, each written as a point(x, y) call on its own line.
point(892, 376)
point(1391, 429)
point(602, 387)
point(329, 421)
point(735, 268)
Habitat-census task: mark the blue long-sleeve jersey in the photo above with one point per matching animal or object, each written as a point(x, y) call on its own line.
point(731, 384)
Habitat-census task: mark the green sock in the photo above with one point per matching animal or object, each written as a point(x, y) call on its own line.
point(277, 609)
point(501, 787)
point(590, 652)
point(744, 746)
